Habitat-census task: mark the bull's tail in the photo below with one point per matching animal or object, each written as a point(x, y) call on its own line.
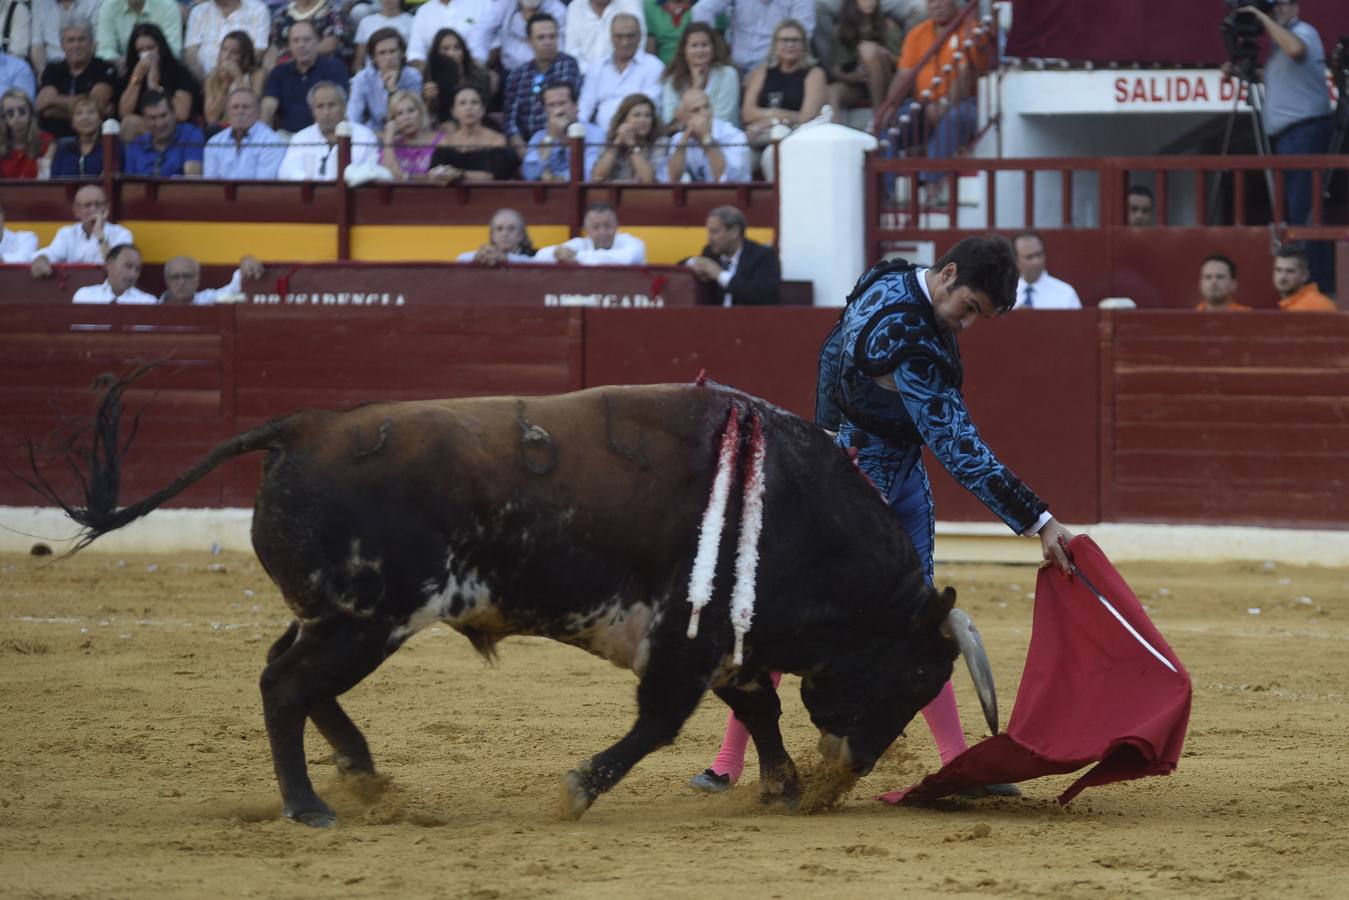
point(100, 514)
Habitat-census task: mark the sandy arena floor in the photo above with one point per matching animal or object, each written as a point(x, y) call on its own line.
point(133, 761)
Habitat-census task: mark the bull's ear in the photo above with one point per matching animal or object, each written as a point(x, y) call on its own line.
point(934, 608)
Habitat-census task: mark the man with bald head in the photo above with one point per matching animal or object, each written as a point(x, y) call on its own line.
point(124, 268)
point(182, 277)
point(708, 149)
point(86, 241)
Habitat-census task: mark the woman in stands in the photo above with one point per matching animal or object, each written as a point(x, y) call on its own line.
point(473, 151)
point(238, 66)
point(326, 15)
point(81, 156)
point(702, 61)
point(409, 139)
point(151, 65)
point(865, 46)
point(25, 150)
point(789, 88)
point(633, 149)
point(386, 71)
point(448, 65)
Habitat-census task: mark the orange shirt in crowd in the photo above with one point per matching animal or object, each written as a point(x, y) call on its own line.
point(1308, 298)
point(916, 43)
point(1229, 306)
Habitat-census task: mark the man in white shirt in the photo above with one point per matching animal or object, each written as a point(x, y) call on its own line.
point(182, 277)
point(247, 150)
point(123, 268)
point(1037, 289)
point(586, 35)
point(16, 247)
point(433, 15)
point(312, 154)
point(209, 22)
point(602, 244)
point(629, 70)
point(504, 30)
point(708, 149)
point(88, 240)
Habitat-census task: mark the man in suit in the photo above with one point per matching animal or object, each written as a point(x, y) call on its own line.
point(747, 273)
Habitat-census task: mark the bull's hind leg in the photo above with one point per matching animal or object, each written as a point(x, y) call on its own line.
point(758, 709)
point(351, 753)
point(303, 678)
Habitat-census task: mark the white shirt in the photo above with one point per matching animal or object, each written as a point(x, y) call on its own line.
point(605, 87)
point(46, 24)
point(469, 256)
point(1047, 292)
point(72, 245)
point(402, 23)
point(208, 296)
point(503, 25)
point(433, 15)
point(587, 34)
point(311, 158)
point(727, 273)
point(696, 168)
point(628, 250)
point(17, 246)
point(207, 27)
point(102, 293)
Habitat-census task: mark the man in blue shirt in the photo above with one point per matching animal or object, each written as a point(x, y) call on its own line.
point(248, 150)
point(548, 156)
point(285, 99)
point(15, 72)
point(169, 147)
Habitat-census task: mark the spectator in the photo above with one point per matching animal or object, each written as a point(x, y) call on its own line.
point(123, 268)
point(88, 239)
point(1037, 289)
point(943, 132)
point(504, 30)
point(386, 73)
point(1139, 206)
point(168, 148)
point(708, 149)
point(524, 109)
point(16, 247)
point(829, 13)
point(548, 157)
point(80, 72)
point(666, 22)
point(472, 152)
point(753, 25)
point(390, 15)
point(862, 49)
point(629, 70)
point(1292, 279)
point(212, 22)
point(182, 277)
point(46, 27)
point(325, 16)
point(16, 20)
point(25, 150)
point(117, 18)
point(434, 15)
point(589, 26)
point(789, 88)
point(409, 139)
point(507, 241)
point(237, 66)
point(633, 148)
point(746, 273)
point(16, 73)
point(702, 61)
point(312, 154)
point(290, 84)
point(151, 66)
point(1218, 285)
point(449, 65)
point(81, 154)
point(602, 244)
point(247, 150)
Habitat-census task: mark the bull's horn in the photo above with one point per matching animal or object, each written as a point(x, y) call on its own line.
point(960, 629)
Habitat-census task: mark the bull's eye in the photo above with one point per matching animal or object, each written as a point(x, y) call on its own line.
point(919, 672)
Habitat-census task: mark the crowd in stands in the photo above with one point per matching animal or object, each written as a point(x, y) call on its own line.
point(446, 90)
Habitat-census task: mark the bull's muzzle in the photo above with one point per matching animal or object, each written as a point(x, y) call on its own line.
point(959, 628)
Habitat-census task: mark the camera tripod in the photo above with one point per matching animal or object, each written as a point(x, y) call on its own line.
point(1255, 97)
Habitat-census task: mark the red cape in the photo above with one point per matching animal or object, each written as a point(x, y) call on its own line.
point(1090, 693)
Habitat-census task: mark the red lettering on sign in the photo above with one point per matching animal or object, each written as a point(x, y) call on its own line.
point(1121, 90)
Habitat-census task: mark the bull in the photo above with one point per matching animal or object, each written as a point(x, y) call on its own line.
point(640, 524)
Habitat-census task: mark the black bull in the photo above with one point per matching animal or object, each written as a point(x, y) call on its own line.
point(577, 518)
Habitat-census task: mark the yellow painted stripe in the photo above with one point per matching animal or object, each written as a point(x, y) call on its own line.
point(223, 243)
point(420, 243)
point(667, 244)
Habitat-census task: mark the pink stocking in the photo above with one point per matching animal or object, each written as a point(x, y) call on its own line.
point(943, 719)
point(731, 757)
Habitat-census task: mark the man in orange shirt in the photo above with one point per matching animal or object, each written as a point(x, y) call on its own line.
point(1292, 279)
point(1218, 285)
point(944, 133)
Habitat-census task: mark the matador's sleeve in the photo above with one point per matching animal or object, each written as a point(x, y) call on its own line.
point(938, 412)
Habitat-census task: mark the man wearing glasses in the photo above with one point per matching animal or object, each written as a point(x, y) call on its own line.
point(629, 70)
point(525, 114)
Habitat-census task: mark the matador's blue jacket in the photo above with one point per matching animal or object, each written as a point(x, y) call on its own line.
point(889, 329)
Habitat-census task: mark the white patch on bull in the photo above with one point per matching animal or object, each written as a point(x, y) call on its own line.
point(714, 522)
point(751, 526)
point(616, 633)
point(475, 607)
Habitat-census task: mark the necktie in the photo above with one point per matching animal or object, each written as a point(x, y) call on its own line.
point(1030, 297)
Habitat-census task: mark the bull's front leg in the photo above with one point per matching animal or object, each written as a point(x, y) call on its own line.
point(757, 707)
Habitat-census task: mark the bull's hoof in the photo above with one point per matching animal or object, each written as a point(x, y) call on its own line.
point(348, 765)
point(991, 790)
point(576, 797)
point(320, 816)
point(783, 795)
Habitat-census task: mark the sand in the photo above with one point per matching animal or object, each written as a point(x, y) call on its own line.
point(133, 761)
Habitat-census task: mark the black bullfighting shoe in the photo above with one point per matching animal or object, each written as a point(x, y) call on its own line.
point(710, 782)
